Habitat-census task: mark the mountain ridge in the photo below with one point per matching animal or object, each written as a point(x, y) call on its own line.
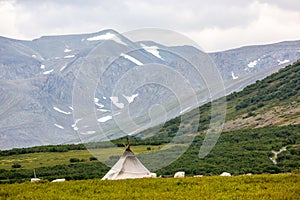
point(44, 73)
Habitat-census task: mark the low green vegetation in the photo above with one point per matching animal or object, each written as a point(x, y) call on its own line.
point(282, 186)
point(243, 151)
point(279, 89)
point(16, 165)
point(237, 152)
point(72, 164)
point(43, 158)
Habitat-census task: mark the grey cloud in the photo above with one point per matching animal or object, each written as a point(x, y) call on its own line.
point(293, 5)
point(213, 19)
point(192, 15)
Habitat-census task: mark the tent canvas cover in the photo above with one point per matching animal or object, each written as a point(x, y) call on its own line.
point(127, 167)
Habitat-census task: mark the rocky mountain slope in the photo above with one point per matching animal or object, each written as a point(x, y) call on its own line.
point(273, 101)
point(37, 82)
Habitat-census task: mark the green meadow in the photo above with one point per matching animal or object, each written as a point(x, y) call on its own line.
point(47, 159)
point(280, 186)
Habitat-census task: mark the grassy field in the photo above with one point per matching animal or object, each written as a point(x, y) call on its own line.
point(237, 152)
point(281, 186)
point(46, 159)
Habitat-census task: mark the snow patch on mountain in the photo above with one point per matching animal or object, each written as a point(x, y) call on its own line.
point(104, 119)
point(132, 59)
point(69, 56)
point(63, 67)
point(280, 62)
point(253, 63)
point(76, 121)
point(42, 66)
point(88, 132)
point(74, 126)
point(115, 101)
point(153, 50)
point(48, 72)
point(103, 110)
point(61, 111)
point(59, 126)
point(107, 36)
point(234, 76)
point(131, 98)
point(67, 50)
point(97, 103)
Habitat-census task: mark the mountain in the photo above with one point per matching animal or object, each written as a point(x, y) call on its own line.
point(261, 135)
point(40, 78)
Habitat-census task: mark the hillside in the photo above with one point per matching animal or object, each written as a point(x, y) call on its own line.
point(37, 80)
point(261, 119)
point(271, 101)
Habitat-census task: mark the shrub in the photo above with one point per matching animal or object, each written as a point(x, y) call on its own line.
point(16, 165)
point(72, 160)
point(93, 158)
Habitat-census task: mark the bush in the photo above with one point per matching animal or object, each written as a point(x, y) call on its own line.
point(93, 158)
point(251, 114)
point(260, 105)
point(241, 105)
point(16, 165)
point(72, 160)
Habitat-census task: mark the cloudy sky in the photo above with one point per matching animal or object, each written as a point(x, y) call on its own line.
point(214, 24)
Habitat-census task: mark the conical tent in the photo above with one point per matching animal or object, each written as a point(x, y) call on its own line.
point(127, 167)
